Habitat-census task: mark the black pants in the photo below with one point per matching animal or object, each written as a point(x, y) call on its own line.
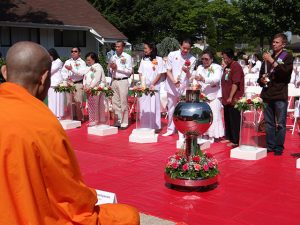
point(232, 119)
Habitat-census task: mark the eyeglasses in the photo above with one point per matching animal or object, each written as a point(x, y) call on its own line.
point(74, 51)
point(206, 59)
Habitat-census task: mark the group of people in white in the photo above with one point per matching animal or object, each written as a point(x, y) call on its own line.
point(176, 72)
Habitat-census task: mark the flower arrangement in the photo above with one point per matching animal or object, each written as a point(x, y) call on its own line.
point(138, 91)
point(102, 88)
point(244, 104)
point(201, 165)
point(202, 97)
point(227, 72)
point(154, 64)
point(66, 86)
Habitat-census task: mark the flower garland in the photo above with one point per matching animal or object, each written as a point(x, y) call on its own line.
point(138, 91)
point(227, 72)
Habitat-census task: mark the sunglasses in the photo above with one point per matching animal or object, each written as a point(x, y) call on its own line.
point(74, 51)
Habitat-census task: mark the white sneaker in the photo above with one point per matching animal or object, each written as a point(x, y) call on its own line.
point(168, 133)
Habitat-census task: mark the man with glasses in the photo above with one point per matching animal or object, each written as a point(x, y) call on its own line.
point(71, 70)
point(121, 69)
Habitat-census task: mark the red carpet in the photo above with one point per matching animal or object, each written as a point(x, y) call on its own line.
point(249, 192)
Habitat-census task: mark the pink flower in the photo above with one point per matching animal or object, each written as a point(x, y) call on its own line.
point(205, 167)
point(196, 158)
point(197, 167)
point(175, 165)
point(185, 167)
point(211, 165)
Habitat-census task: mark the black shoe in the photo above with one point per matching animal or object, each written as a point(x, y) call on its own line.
point(277, 152)
point(123, 128)
point(270, 150)
point(117, 125)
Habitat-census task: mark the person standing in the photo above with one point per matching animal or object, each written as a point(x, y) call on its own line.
point(274, 77)
point(71, 71)
point(56, 99)
point(179, 70)
point(121, 69)
point(208, 76)
point(150, 71)
point(42, 182)
point(93, 77)
point(232, 85)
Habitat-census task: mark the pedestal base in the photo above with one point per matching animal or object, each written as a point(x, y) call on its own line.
point(143, 135)
point(102, 130)
point(70, 124)
point(248, 152)
point(191, 183)
point(204, 144)
point(298, 164)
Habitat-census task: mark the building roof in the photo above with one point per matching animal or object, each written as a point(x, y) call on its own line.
point(58, 13)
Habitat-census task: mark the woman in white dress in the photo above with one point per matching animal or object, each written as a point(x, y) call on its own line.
point(93, 77)
point(150, 70)
point(55, 99)
point(208, 76)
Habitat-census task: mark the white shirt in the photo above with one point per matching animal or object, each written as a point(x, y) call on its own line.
point(150, 71)
point(175, 63)
point(212, 76)
point(73, 74)
point(256, 68)
point(93, 75)
point(124, 65)
point(56, 76)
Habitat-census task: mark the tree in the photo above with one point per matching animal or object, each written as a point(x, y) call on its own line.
point(264, 18)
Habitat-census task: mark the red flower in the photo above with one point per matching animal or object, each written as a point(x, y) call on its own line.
point(196, 158)
point(175, 165)
point(202, 95)
point(210, 165)
point(187, 62)
point(177, 157)
point(185, 167)
point(249, 101)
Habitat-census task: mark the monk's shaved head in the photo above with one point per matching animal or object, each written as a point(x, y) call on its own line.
point(26, 62)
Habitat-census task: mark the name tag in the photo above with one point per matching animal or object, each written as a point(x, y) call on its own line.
point(105, 197)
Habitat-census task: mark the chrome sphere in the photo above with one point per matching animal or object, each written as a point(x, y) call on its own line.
point(192, 117)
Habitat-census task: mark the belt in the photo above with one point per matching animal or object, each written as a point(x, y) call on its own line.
point(124, 78)
point(78, 81)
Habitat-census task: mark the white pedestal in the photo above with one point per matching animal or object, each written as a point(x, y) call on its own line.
point(298, 164)
point(143, 135)
point(102, 130)
point(70, 124)
point(248, 152)
point(204, 144)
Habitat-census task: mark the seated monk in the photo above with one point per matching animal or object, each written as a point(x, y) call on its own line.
point(40, 179)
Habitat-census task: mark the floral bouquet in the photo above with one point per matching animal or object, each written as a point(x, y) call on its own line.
point(201, 165)
point(102, 88)
point(202, 98)
point(244, 104)
point(66, 86)
point(107, 91)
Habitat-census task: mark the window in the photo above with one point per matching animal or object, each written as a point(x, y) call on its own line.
point(5, 36)
point(69, 38)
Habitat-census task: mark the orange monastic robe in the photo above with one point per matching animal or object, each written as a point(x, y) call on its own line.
point(40, 181)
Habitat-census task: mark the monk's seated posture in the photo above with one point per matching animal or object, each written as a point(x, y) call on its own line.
point(40, 179)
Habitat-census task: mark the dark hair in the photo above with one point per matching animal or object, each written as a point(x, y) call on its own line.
point(211, 55)
point(187, 40)
point(152, 46)
point(119, 41)
point(282, 36)
point(79, 50)
point(93, 56)
point(229, 52)
point(53, 53)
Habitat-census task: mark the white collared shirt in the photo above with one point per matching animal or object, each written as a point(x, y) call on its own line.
point(175, 63)
point(150, 71)
point(73, 74)
point(212, 76)
point(124, 65)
